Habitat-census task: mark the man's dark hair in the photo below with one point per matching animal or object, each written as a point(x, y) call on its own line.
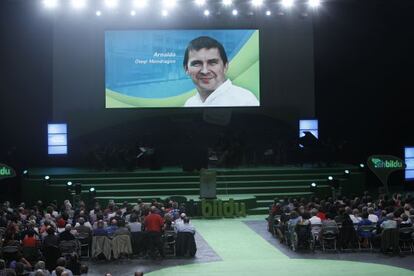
point(204, 42)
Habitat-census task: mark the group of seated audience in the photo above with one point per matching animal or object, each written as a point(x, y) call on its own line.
point(46, 238)
point(358, 221)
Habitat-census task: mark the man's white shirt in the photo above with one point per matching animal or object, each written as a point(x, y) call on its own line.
point(226, 94)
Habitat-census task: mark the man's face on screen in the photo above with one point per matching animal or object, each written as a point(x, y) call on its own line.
point(206, 69)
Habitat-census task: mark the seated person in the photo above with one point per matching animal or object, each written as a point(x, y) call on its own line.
point(348, 236)
point(67, 234)
point(135, 225)
point(112, 227)
point(294, 219)
point(329, 226)
point(30, 240)
point(100, 229)
point(185, 243)
point(168, 222)
point(314, 220)
point(61, 267)
point(40, 266)
point(363, 234)
point(186, 226)
point(389, 222)
point(405, 221)
point(121, 229)
point(51, 239)
point(83, 231)
point(372, 216)
point(355, 216)
point(73, 264)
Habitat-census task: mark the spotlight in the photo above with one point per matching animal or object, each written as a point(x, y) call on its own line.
point(314, 3)
point(69, 186)
point(361, 165)
point(25, 172)
point(133, 13)
point(313, 187)
point(140, 3)
point(92, 194)
point(257, 3)
point(78, 4)
point(268, 13)
point(287, 3)
point(235, 12)
point(200, 2)
point(111, 3)
point(206, 12)
point(347, 172)
point(47, 180)
point(227, 2)
point(334, 183)
point(164, 13)
point(50, 4)
point(98, 13)
point(169, 3)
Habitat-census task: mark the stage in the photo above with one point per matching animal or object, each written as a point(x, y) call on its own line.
point(256, 187)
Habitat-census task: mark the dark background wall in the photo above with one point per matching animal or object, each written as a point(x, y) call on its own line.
point(363, 55)
point(362, 64)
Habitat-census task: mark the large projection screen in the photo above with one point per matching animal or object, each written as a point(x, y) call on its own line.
point(144, 68)
point(80, 78)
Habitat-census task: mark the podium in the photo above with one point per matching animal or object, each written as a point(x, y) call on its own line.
point(207, 184)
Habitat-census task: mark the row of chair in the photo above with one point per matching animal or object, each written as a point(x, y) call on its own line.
point(328, 237)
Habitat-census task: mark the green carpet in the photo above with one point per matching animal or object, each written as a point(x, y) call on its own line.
point(243, 252)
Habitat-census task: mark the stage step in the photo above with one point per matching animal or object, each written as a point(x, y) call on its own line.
point(259, 185)
point(259, 211)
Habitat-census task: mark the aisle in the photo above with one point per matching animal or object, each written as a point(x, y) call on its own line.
point(243, 252)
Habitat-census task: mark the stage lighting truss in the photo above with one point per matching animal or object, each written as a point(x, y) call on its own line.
point(227, 3)
point(78, 4)
point(111, 4)
point(314, 4)
point(287, 4)
point(257, 3)
point(216, 7)
point(200, 3)
point(169, 4)
point(140, 3)
point(50, 4)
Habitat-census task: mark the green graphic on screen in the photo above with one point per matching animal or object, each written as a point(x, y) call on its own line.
point(144, 69)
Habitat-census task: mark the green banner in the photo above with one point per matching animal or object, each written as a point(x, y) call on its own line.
point(6, 171)
point(383, 165)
